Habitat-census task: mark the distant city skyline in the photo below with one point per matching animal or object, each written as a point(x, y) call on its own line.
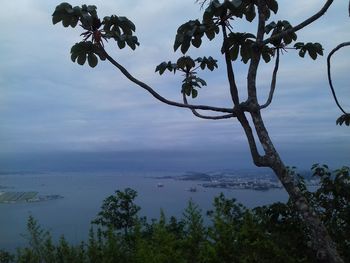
point(50, 105)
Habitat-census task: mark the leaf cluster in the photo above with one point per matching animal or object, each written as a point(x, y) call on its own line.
point(239, 43)
point(192, 32)
point(188, 65)
point(250, 9)
point(118, 28)
point(313, 49)
point(217, 10)
point(216, 14)
point(121, 29)
point(278, 28)
point(345, 118)
point(86, 50)
point(70, 16)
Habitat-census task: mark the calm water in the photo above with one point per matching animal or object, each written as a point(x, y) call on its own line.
point(83, 194)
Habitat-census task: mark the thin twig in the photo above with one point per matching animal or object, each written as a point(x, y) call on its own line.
point(202, 3)
point(273, 81)
point(330, 75)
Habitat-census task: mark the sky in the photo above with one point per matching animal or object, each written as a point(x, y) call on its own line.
point(50, 105)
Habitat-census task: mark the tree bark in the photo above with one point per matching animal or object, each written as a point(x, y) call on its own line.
point(321, 241)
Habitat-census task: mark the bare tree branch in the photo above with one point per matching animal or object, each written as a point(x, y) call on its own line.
point(301, 25)
point(230, 73)
point(262, 21)
point(258, 160)
point(273, 81)
point(256, 54)
point(157, 95)
point(330, 75)
point(195, 113)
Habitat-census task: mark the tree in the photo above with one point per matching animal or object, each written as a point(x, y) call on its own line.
point(195, 234)
point(332, 202)
point(271, 38)
point(118, 212)
point(6, 257)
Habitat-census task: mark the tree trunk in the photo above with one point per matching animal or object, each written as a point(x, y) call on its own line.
point(321, 241)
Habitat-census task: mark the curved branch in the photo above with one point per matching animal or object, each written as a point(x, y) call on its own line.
point(273, 82)
point(330, 75)
point(195, 113)
point(301, 25)
point(158, 96)
point(258, 160)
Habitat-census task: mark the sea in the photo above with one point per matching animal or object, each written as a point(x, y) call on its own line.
point(84, 192)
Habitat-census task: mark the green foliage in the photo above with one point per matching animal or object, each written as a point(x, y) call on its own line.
point(190, 83)
point(227, 217)
point(285, 227)
point(118, 28)
point(6, 257)
point(254, 244)
point(188, 65)
point(161, 246)
point(86, 50)
point(195, 234)
point(121, 30)
point(41, 248)
point(70, 16)
point(277, 28)
point(216, 14)
point(118, 212)
point(332, 202)
point(313, 49)
point(36, 238)
point(236, 42)
point(192, 33)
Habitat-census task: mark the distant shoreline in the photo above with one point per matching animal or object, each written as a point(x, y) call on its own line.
point(232, 181)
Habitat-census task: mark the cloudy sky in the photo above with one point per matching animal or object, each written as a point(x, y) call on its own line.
point(49, 104)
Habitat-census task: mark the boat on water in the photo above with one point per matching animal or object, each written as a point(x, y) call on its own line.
point(193, 189)
point(160, 185)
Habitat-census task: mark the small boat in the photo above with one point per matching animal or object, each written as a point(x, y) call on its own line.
point(193, 189)
point(160, 185)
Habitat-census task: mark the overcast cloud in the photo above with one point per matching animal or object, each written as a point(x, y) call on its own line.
point(48, 103)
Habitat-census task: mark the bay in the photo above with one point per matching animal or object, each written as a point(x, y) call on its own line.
point(84, 192)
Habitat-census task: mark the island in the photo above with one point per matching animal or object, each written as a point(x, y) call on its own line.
point(25, 197)
point(232, 180)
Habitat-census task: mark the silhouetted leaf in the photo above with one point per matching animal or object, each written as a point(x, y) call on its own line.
point(81, 59)
point(92, 60)
point(272, 5)
point(345, 118)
